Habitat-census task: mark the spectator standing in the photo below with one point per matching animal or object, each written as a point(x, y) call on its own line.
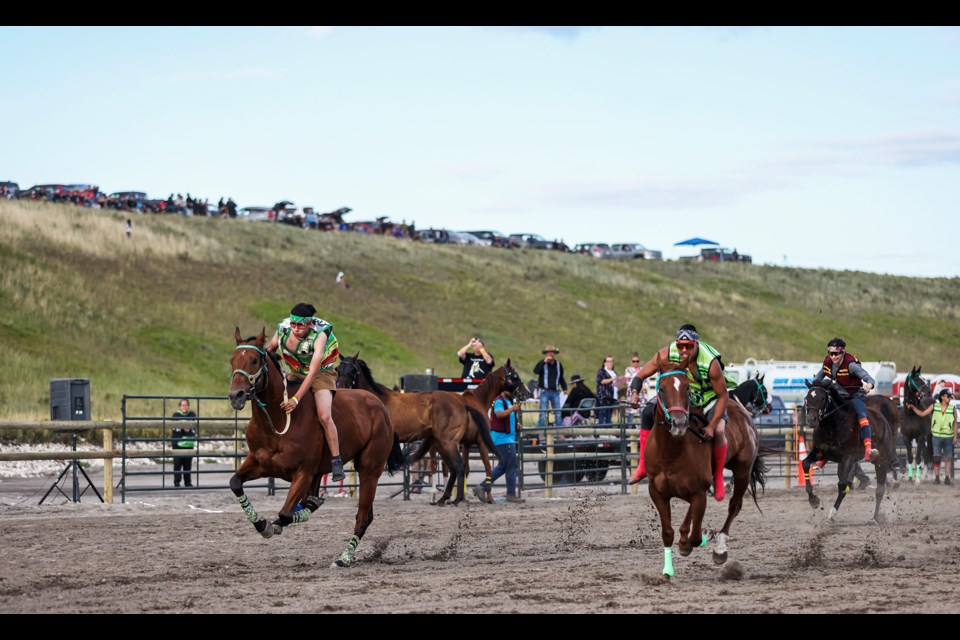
point(578, 392)
point(503, 430)
point(943, 429)
point(476, 361)
point(342, 280)
point(184, 440)
point(550, 381)
point(129, 228)
point(628, 375)
point(608, 388)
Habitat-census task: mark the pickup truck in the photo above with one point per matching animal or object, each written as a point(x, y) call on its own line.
point(718, 254)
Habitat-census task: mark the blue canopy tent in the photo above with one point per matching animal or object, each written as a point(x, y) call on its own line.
point(693, 242)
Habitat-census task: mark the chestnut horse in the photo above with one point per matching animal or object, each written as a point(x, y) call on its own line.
point(482, 397)
point(439, 420)
point(836, 437)
point(914, 428)
point(292, 446)
point(679, 464)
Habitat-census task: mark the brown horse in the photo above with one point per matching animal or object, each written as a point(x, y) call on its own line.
point(437, 419)
point(914, 428)
point(836, 437)
point(679, 464)
point(482, 397)
point(292, 446)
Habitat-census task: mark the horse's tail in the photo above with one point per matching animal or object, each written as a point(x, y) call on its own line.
point(483, 427)
point(758, 473)
point(396, 461)
point(418, 449)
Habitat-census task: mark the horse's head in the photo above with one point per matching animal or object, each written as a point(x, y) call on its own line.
point(754, 395)
point(512, 382)
point(348, 372)
point(249, 364)
point(673, 395)
point(917, 391)
point(818, 402)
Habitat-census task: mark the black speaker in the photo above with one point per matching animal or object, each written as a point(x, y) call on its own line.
point(69, 399)
point(418, 382)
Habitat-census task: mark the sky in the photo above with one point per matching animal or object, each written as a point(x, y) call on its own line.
point(813, 147)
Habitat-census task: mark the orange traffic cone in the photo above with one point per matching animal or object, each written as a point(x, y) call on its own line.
point(801, 454)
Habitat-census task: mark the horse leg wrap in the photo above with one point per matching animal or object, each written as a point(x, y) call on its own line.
point(346, 558)
point(302, 516)
point(314, 502)
point(668, 561)
point(720, 458)
point(248, 509)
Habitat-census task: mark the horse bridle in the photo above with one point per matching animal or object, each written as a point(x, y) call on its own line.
point(917, 390)
point(254, 380)
point(356, 374)
point(663, 405)
point(763, 396)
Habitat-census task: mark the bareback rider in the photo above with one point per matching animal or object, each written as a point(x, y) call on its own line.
point(310, 354)
point(845, 368)
point(709, 390)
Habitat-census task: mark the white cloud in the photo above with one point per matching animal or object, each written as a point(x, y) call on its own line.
point(319, 32)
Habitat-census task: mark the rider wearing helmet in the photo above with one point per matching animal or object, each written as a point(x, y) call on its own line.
point(709, 390)
point(309, 356)
point(845, 368)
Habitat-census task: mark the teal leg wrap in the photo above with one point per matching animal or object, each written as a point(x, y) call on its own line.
point(248, 509)
point(346, 558)
point(705, 540)
point(668, 561)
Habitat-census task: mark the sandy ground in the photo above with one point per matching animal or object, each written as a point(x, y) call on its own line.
point(590, 550)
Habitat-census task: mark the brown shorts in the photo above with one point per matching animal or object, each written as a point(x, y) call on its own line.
point(324, 380)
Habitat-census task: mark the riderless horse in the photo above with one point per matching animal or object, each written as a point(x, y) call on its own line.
point(914, 428)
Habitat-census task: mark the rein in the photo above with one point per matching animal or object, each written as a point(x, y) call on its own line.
point(663, 406)
point(254, 380)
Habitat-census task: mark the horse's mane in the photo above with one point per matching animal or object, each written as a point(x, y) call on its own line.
point(378, 388)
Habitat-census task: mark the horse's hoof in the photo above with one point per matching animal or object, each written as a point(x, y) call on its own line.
point(684, 551)
point(814, 501)
point(339, 563)
point(269, 529)
point(832, 515)
point(720, 558)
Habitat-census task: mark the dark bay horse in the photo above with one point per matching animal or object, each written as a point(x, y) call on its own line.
point(914, 428)
point(438, 420)
point(482, 397)
point(836, 437)
point(753, 395)
point(679, 464)
point(296, 449)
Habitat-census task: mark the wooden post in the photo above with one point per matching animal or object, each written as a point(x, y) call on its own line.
point(108, 466)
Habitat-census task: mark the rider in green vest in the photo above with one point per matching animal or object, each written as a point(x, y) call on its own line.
point(943, 428)
point(309, 355)
point(709, 390)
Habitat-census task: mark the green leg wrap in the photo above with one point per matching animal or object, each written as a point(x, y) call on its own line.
point(668, 561)
point(302, 516)
point(248, 509)
point(705, 540)
point(346, 558)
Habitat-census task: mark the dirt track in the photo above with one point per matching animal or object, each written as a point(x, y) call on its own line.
point(587, 551)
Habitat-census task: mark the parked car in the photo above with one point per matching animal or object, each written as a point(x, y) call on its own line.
point(634, 250)
point(530, 241)
point(494, 238)
point(255, 213)
point(595, 249)
point(718, 254)
point(464, 237)
point(779, 414)
point(473, 238)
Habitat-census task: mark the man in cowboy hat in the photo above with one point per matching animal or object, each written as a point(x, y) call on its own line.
point(550, 381)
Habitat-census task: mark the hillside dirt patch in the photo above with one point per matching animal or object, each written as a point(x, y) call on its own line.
point(588, 550)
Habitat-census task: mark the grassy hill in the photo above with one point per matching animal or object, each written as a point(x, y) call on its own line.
point(155, 314)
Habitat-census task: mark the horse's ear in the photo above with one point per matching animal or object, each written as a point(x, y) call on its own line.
point(508, 365)
point(807, 382)
point(237, 336)
point(262, 337)
point(357, 356)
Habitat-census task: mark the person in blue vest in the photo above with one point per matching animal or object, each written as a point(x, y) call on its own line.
point(709, 390)
point(503, 430)
point(845, 369)
point(943, 429)
point(309, 355)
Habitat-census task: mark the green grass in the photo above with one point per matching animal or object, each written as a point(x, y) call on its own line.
point(156, 314)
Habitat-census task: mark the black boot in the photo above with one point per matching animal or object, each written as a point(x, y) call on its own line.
point(337, 472)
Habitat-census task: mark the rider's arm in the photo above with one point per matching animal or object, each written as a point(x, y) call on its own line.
point(860, 372)
point(274, 343)
point(719, 385)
